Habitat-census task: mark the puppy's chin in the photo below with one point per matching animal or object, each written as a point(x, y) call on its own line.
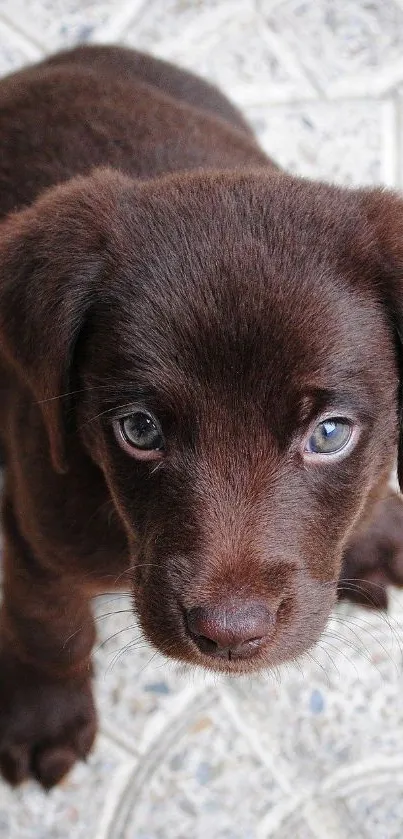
point(295, 632)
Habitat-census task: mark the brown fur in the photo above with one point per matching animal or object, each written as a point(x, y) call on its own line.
point(237, 304)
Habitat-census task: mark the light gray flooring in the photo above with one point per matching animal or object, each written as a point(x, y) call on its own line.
point(314, 752)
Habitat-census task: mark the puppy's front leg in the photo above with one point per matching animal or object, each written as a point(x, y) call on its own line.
point(373, 559)
point(47, 714)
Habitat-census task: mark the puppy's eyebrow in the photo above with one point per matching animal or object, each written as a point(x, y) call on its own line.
point(316, 400)
point(131, 393)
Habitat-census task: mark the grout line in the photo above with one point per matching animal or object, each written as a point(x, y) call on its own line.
point(118, 23)
point(148, 765)
point(115, 792)
point(379, 84)
point(195, 30)
point(359, 772)
point(287, 784)
point(319, 814)
point(288, 59)
point(322, 819)
point(157, 727)
point(30, 45)
point(278, 816)
point(304, 102)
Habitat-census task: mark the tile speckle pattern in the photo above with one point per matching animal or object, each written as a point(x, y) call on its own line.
point(326, 139)
point(343, 47)
point(81, 807)
point(194, 775)
point(214, 40)
point(15, 50)
point(312, 751)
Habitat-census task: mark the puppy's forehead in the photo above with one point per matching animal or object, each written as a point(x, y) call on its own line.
point(243, 349)
point(239, 283)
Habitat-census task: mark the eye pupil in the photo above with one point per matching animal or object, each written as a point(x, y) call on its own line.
point(330, 436)
point(141, 431)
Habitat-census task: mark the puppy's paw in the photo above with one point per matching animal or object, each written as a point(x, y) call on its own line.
point(45, 726)
point(374, 558)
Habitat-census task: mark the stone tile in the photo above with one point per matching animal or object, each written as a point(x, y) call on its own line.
point(379, 809)
point(82, 807)
point(15, 50)
point(207, 782)
point(399, 136)
point(347, 48)
point(61, 23)
point(159, 21)
point(139, 692)
point(342, 704)
point(212, 42)
point(342, 142)
point(310, 819)
point(296, 831)
point(316, 753)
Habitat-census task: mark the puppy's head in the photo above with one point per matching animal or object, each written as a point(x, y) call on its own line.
point(233, 343)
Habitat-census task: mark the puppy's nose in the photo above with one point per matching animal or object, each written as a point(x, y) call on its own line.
point(229, 631)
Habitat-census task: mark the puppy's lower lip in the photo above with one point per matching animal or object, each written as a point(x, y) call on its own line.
point(232, 666)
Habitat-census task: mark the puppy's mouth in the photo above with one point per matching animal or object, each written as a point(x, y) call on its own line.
point(247, 658)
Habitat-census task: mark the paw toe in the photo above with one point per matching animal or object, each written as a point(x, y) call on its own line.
point(14, 764)
point(52, 763)
point(84, 737)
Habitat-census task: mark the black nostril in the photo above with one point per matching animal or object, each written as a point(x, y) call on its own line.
point(208, 646)
point(231, 629)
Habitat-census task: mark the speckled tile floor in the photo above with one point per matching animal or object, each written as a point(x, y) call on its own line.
point(313, 751)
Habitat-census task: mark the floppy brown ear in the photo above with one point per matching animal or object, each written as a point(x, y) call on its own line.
point(51, 256)
point(384, 211)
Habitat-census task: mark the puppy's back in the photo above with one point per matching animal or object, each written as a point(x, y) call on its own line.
point(65, 116)
point(125, 64)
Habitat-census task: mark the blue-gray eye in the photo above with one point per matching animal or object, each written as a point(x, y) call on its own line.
point(141, 431)
point(330, 436)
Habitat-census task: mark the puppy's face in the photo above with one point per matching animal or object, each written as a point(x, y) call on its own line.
point(240, 398)
point(235, 364)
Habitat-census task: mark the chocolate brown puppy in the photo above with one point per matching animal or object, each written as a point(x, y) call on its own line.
point(200, 361)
